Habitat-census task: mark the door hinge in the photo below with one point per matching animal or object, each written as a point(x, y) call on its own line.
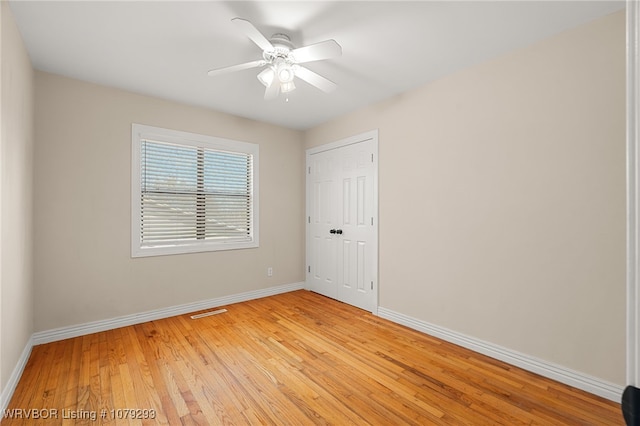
point(309, 269)
point(309, 219)
point(371, 285)
point(371, 221)
point(372, 158)
point(309, 169)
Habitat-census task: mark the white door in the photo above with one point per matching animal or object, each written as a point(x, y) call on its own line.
point(342, 220)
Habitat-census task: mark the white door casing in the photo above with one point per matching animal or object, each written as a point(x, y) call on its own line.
point(633, 193)
point(342, 220)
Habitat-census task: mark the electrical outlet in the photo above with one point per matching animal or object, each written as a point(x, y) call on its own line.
point(269, 271)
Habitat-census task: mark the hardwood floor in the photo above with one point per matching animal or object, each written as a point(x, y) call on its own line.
point(296, 358)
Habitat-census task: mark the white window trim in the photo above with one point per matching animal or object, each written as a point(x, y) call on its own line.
point(141, 132)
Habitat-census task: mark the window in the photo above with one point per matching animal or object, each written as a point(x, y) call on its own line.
point(191, 193)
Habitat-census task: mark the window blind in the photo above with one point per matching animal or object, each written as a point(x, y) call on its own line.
point(190, 194)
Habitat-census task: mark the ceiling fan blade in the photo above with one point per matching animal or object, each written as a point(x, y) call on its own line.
point(315, 79)
point(253, 33)
point(239, 67)
point(316, 52)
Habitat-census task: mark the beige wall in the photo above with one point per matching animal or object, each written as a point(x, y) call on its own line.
point(502, 199)
point(16, 166)
point(83, 268)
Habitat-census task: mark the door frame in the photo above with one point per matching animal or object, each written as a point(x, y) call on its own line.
point(371, 135)
point(633, 192)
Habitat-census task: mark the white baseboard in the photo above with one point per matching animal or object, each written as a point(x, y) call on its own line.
point(10, 387)
point(562, 374)
point(62, 333)
point(547, 369)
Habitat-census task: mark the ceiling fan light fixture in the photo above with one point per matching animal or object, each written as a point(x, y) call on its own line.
point(266, 76)
point(288, 87)
point(285, 75)
point(284, 71)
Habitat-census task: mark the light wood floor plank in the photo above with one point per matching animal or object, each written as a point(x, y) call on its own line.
point(292, 359)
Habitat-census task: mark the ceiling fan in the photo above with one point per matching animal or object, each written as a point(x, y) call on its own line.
point(282, 61)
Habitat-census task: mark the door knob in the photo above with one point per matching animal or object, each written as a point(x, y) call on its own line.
point(333, 231)
point(339, 231)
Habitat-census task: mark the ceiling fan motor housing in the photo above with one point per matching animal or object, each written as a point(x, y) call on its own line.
point(281, 40)
point(282, 47)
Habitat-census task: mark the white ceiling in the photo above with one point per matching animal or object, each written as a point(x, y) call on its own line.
point(165, 49)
